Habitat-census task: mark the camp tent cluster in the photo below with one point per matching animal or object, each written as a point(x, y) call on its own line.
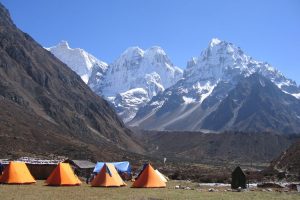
point(17, 173)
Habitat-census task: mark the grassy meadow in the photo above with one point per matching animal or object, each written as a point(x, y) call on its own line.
point(40, 191)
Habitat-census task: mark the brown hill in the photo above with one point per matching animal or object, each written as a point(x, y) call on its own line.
point(289, 160)
point(216, 148)
point(47, 108)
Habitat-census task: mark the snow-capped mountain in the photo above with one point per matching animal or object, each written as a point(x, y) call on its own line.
point(256, 104)
point(206, 82)
point(225, 62)
point(135, 68)
point(129, 82)
point(134, 78)
point(148, 91)
point(78, 60)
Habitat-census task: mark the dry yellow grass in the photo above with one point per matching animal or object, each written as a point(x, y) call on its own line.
point(39, 191)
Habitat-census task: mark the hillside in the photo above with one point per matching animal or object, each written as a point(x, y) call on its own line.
point(213, 148)
point(47, 108)
point(289, 160)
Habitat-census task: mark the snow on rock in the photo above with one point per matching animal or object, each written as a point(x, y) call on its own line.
point(139, 68)
point(214, 42)
point(297, 95)
point(135, 74)
point(206, 81)
point(77, 59)
point(188, 100)
point(223, 61)
point(138, 76)
point(127, 103)
point(150, 70)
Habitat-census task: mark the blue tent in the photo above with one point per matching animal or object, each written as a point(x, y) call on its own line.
point(120, 166)
point(1, 168)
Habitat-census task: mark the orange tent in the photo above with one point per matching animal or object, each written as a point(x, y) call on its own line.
point(16, 173)
point(63, 175)
point(149, 178)
point(108, 177)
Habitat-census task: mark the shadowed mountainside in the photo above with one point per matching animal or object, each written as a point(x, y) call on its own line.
point(214, 148)
point(46, 107)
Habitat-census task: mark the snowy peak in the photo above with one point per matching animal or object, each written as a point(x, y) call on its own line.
point(214, 42)
point(217, 46)
point(223, 54)
point(132, 53)
point(157, 55)
point(134, 67)
point(77, 59)
point(223, 61)
point(192, 103)
point(135, 55)
point(155, 51)
point(63, 44)
point(213, 61)
point(143, 85)
point(134, 71)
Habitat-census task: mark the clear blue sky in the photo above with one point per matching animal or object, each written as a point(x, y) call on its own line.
point(268, 30)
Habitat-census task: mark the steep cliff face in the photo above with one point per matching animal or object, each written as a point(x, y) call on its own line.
point(52, 99)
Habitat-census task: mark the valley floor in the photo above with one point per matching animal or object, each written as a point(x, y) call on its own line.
point(40, 191)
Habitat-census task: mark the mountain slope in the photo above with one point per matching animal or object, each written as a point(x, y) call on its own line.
point(134, 78)
point(221, 148)
point(78, 60)
point(289, 160)
point(256, 104)
point(206, 83)
point(48, 105)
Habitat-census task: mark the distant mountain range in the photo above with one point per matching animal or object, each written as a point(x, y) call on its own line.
point(222, 89)
point(128, 83)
